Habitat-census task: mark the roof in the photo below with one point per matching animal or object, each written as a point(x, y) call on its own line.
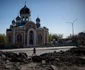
point(8, 30)
point(37, 19)
point(18, 18)
point(21, 23)
point(25, 10)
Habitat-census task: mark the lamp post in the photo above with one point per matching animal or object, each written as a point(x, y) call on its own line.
point(72, 26)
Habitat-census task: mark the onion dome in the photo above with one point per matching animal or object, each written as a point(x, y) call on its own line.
point(13, 21)
point(38, 19)
point(25, 10)
point(38, 22)
point(18, 18)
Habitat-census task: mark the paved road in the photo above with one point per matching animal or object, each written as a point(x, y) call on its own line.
point(39, 51)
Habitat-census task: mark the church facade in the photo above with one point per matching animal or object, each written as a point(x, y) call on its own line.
point(26, 33)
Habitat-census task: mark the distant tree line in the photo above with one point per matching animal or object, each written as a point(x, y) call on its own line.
point(2, 39)
point(54, 36)
point(76, 40)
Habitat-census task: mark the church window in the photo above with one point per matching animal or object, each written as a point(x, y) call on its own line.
point(31, 37)
point(19, 38)
point(26, 18)
point(31, 34)
point(39, 38)
point(30, 26)
point(9, 38)
point(23, 18)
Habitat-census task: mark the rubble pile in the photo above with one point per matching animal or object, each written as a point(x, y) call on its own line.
point(68, 58)
point(13, 57)
point(65, 59)
point(10, 60)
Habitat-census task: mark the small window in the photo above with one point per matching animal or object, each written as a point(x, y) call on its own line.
point(30, 26)
point(26, 18)
point(23, 18)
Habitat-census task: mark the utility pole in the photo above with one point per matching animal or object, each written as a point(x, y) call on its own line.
point(72, 26)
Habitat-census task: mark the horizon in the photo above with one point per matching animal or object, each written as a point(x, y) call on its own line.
point(53, 14)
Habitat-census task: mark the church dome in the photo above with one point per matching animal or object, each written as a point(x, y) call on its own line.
point(13, 21)
point(18, 18)
point(25, 10)
point(38, 19)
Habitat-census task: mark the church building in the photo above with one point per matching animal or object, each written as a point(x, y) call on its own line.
point(26, 33)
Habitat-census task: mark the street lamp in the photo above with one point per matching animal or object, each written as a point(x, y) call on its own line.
point(72, 26)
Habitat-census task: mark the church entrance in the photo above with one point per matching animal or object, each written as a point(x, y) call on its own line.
point(31, 38)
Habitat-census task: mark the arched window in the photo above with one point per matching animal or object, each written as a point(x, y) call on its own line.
point(9, 38)
point(23, 18)
point(19, 38)
point(39, 38)
point(31, 35)
point(26, 18)
point(30, 26)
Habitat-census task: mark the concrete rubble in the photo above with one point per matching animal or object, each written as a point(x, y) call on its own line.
point(72, 59)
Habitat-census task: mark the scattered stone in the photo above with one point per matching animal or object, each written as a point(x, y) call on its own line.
point(36, 59)
point(54, 67)
point(43, 61)
point(49, 61)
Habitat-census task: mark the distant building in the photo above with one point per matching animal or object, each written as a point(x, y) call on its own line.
point(24, 32)
point(81, 38)
point(81, 34)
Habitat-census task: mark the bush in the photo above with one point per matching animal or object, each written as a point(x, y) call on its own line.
point(2, 46)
